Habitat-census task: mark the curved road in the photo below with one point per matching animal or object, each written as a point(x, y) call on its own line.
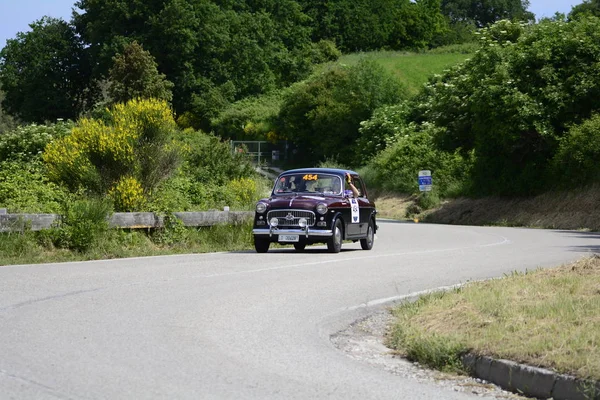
point(240, 325)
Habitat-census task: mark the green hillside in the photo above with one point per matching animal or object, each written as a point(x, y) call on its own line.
point(412, 69)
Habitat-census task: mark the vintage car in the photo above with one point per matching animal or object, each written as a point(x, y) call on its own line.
point(315, 205)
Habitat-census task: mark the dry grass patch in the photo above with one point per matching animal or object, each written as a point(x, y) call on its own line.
point(547, 318)
point(393, 206)
point(578, 209)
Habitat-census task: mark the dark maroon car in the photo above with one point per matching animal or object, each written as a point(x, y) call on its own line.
point(315, 205)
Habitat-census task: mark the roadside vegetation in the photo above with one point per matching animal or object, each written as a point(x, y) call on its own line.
point(546, 318)
point(132, 106)
point(77, 242)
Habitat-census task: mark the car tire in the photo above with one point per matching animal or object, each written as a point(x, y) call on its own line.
point(261, 245)
point(367, 243)
point(299, 246)
point(334, 243)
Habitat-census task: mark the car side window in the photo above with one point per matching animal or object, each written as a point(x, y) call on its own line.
point(359, 185)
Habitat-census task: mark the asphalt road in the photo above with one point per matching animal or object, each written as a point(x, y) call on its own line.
point(240, 325)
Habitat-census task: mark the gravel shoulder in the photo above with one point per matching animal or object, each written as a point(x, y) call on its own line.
point(364, 341)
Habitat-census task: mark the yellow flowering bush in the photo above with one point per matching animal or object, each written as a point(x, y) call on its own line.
point(242, 191)
point(135, 141)
point(127, 194)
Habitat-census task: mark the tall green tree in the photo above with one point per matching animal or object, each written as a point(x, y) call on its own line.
point(486, 12)
point(591, 7)
point(322, 116)
point(134, 75)
point(45, 73)
point(362, 25)
point(215, 52)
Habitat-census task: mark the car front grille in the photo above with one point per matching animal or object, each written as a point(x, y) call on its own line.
point(290, 218)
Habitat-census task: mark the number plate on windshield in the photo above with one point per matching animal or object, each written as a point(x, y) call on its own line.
point(288, 238)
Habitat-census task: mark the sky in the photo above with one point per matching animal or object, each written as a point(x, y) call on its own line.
point(16, 15)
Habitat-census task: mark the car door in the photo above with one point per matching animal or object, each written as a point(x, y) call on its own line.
point(353, 226)
point(364, 205)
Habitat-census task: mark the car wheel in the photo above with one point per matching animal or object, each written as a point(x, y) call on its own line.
point(367, 243)
point(299, 246)
point(261, 245)
point(334, 244)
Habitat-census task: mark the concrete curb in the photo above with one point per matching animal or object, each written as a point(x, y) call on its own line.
point(531, 381)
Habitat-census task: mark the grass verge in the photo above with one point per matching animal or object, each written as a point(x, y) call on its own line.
point(548, 318)
point(39, 247)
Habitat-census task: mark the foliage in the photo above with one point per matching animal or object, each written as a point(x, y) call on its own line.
point(83, 222)
point(27, 142)
point(513, 101)
point(249, 119)
point(213, 52)
point(243, 192)
point(488, 12)
point(587, 7)
point(134, 75)
point(380, 129)
point(322, 116)
point(208, 159)
point(127, 194)
point(454, 33)
point(135, 142)
point(45, 73)
point(25, 188)
point(413, 149)
point(365, 25)
point(576, 160)
point(7, 122)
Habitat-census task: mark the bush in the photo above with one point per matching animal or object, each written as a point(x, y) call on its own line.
point(249, 119)
point(322, 115)
point(207, 159)
point(136, 141)
point(28, 142)
point(83, 224)
point(381, 128)
point(24, 188)
point(576, 161)
point(127, 194)
point(515, 99)
point(396, 168)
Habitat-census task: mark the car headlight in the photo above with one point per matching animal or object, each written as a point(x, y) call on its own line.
point(261, 207)
point(302, 222)
point(274, 222)
point(322, 208)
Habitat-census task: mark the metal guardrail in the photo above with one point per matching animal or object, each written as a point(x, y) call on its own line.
point(133, 220)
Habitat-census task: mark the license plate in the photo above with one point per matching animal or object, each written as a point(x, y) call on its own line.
point(288, 238)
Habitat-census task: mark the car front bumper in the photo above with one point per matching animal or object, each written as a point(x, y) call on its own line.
point(301, 232)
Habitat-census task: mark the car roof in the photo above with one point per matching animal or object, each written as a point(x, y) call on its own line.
point(333, 171)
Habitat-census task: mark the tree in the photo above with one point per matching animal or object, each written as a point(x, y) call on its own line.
point(322, 116)
point(45, 73)
point(134, 75)
point(591, 7)
point(7, 122)
point(486, 12)
point(214, 52)
point(362, 25)
point(515, 100)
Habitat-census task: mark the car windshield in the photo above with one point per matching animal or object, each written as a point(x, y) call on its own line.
point(308, 183)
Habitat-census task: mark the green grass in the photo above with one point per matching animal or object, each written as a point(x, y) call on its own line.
point(547, 318)
point(38, 247)
point(413, 69)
